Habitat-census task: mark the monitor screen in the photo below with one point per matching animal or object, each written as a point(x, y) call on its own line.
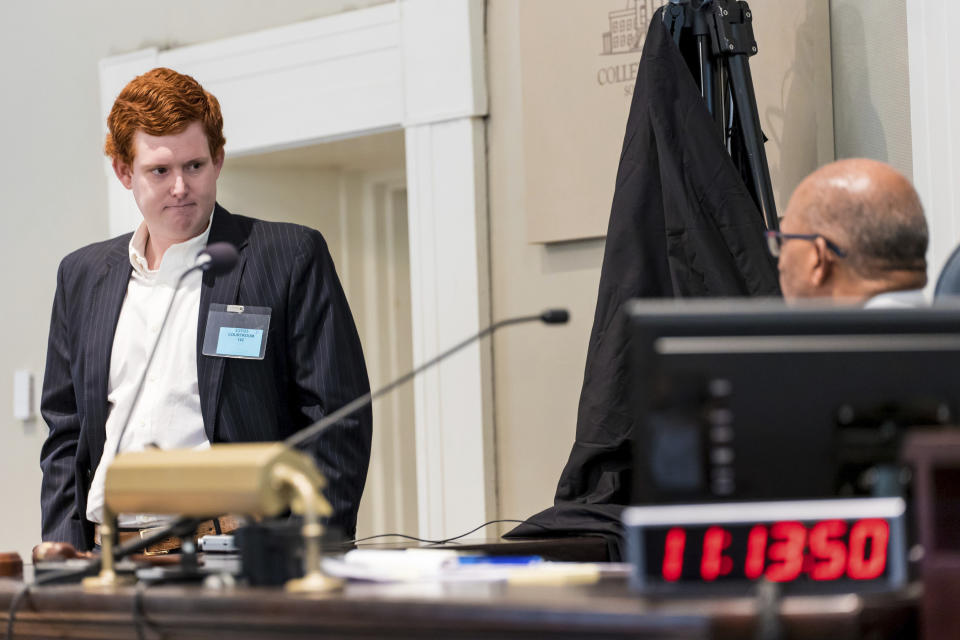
point(744, 400)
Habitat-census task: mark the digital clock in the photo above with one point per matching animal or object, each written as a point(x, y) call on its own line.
point(807, 546)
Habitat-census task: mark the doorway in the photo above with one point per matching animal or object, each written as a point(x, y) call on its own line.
point(353, 191)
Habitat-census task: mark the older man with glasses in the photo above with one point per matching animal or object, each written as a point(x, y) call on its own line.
point(854, 231)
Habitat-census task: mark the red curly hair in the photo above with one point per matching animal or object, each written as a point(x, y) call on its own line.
point(161, 102)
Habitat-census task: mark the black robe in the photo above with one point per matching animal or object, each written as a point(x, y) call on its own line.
point(682, 224)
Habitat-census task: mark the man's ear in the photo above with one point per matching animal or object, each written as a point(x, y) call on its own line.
point(124, 172)
point(822, 265)
point(218, 161)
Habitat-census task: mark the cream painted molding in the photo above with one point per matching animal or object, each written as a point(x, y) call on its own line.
point(416, 64)
point(443, 60)
point(935, 122)
point(447, 220)
point(390, 502)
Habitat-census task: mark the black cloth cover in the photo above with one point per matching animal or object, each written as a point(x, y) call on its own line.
point(682, 224)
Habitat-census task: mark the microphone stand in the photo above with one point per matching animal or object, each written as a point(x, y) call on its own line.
point(551, 316)
point(219, 257)
point(273, 477)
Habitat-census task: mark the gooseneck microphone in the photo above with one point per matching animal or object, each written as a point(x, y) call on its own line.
point(550, 316)
point(217, 258)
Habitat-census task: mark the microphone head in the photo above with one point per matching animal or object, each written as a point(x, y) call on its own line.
point(555, 316)
point(218, 258)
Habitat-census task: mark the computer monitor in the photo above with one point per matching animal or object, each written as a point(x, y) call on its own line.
point(742, 400)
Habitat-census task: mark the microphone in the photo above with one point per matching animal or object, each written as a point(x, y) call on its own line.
point(555, 316)
point(217, 258)
point(550, 316)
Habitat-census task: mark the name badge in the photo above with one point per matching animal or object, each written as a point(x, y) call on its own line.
point(236, 331)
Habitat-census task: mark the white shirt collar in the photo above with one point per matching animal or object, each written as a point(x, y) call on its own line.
point(175, 260)
point(903, 299)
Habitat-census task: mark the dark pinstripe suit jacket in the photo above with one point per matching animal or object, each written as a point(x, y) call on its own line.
point(313, 364)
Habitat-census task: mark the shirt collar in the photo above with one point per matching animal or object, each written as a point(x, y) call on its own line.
point(176, 259)
point(903, 299)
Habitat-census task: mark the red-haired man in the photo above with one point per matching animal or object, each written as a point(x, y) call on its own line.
point(204, 385)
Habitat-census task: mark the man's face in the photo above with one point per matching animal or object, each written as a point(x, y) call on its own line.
point(174, 181)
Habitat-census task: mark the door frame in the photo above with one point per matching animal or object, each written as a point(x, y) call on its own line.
point(411, 64)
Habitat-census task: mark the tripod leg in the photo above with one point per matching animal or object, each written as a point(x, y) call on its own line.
point(731, 29)
point(710, 81)
point(723, 37)
point(745, 102)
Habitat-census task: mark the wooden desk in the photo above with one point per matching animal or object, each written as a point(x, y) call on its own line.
point(604, 610)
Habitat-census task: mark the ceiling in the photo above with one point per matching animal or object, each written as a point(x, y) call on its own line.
point(374, 152)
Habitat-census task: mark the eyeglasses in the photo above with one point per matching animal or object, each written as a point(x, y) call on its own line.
point(775, 240)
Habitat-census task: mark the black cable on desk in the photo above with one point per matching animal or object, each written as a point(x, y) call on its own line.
point(139, 544)
point(139, 615)
point(14, 604)
point(24, 591)
point(446, 540)
point(140, 619)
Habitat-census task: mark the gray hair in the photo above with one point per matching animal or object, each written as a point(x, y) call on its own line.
point(873, 213)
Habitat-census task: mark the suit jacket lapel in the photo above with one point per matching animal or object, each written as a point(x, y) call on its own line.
point(220, 290)
point(106, 299)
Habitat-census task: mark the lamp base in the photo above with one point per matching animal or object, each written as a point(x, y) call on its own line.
point(314, 582)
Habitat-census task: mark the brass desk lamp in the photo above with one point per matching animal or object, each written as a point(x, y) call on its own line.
point(251, 479)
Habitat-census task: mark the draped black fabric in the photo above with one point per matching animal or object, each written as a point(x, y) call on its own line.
point(682, 224)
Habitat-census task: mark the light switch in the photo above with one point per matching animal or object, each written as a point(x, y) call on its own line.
point(22, 395)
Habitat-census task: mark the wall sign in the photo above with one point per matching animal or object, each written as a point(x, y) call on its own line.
point(578, 65)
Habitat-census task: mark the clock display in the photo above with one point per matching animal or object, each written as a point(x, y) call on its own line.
point(843, 543)
point(780, 551)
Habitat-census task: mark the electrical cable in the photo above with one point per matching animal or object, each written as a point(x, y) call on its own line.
point(183, 524)
point(445, 540)
point(216, 258)
point(140, 619)
point(14, 605)
point(55, 576)
point(180, 527)
point(139, 615)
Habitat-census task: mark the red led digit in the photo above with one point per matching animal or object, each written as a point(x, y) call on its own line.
point(756, 552)
point(673, 554)
point(860, 567)
point(713, 563)
point(828, 549)
point(787, 552)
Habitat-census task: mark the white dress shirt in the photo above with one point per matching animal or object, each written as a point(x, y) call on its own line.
point(167, 414)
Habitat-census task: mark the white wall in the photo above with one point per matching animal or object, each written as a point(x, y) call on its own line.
point(871, 80)
point(935, 115)
point(538, 370)
point(51, 175)
point(896, 94)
